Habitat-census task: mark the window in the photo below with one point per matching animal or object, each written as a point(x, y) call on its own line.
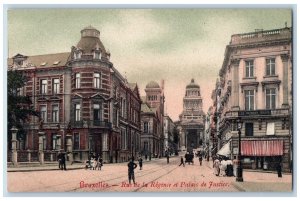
point(77, 80)
point(249, 99)
point(146, 129)
point(55, 86)
point(54, 141)
point(55, 113)
point(77, 112)
point(97, 113)
point(124, 138)
point(146, 146)
point(271, 98)
point(43, 110)
point(270, 128)
point(21, 91)
point(43, 86)
point(76, 141)
point(249, 68)
point(249, 129)
point(97, 55)
point(97, 80)
point(270, 66)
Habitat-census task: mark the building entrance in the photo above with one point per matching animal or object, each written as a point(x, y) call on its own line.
point(192, 140)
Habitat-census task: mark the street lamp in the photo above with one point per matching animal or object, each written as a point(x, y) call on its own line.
point(239, 177)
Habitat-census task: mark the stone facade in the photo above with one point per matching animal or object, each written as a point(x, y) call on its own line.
point(152, 119)
point(192, 119)
point(86, 105)
point(255, 87)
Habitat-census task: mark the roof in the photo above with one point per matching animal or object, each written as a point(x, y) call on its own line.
point(192, 85)
point(152, 84)
point(146, 109)
point(46, 60)
point(88, 44)
point(90, 40)
point(132, 86)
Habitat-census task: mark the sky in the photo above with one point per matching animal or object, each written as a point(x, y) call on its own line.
point(174, 45)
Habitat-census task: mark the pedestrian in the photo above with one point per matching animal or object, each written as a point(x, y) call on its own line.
point(181, 161)
point(131, 166)
point(63, 161)
point(59, 156)
point(100, 161)
point(168, 158)
point(200, 159)
point(146, 156)
point(223, 167)
point(216, 167)
point(141, 163)
point(235, 165)
point(279, 170)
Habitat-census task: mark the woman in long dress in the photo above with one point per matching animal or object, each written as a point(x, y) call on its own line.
point(216, 167)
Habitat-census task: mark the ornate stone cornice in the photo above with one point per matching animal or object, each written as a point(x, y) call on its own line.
point(235, 62)
point(285, 57)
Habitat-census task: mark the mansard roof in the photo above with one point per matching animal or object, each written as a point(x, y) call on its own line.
point(46, 60)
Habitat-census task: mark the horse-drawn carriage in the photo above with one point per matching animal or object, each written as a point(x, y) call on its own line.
point(189, 158)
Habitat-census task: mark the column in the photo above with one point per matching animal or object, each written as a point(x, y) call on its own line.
point(235, 84)
point(41, 146)
point(14, 152)
point(69, 147)
point(285, 82)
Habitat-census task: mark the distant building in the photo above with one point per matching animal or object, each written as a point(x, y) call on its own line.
point(255, 88)
point(169, 126)
point(192, 119)
point(86, 105)
point(152, 120)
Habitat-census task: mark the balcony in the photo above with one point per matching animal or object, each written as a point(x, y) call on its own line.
point(257, 113)
point(91, 123)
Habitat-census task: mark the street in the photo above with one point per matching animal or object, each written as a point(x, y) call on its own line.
point(156, 176)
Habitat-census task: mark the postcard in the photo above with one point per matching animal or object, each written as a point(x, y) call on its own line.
point(149, 100)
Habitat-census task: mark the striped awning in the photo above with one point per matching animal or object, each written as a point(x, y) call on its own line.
point(262, 148)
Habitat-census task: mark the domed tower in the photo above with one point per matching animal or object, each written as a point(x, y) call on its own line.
point(192, 118)
point(192, 100)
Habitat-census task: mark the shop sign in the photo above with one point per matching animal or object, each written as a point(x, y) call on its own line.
point(254, 113)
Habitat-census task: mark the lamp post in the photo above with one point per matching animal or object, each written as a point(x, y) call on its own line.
point(239, 177)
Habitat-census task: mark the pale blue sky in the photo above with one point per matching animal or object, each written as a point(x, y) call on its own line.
point(148, 44)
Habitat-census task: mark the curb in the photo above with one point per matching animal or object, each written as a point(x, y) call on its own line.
point(45, 169)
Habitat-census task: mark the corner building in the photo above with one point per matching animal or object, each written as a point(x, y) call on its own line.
point(86, 105)
point(255, 88)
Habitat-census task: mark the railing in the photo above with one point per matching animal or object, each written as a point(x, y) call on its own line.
point(88, 124)
point(260, 35)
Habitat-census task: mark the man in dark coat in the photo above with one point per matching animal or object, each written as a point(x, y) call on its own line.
point(63, 161)
point(131, 166)
point(200, 159)
point(141, 163)
point(181, 161)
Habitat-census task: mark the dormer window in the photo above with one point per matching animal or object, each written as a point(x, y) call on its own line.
point(77, 55)
point(43, 64)
point(56, 62)
point(19, 63)
point(97, 55)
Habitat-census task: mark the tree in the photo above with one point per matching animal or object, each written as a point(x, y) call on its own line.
point(19, 107)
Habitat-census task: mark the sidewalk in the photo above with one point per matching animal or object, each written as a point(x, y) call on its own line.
point(54, 166)
point(261, 181)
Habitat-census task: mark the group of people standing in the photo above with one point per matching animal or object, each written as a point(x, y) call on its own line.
point(95, 162)
point(223, 167)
